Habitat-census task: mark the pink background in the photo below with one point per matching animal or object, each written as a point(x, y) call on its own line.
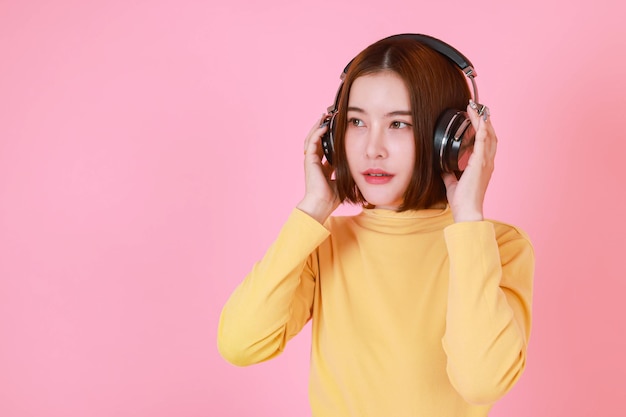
point(151, 150)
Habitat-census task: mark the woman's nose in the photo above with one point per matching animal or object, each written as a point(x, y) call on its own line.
point(375, 148)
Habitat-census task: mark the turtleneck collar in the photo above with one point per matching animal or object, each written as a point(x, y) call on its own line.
point(410, 221)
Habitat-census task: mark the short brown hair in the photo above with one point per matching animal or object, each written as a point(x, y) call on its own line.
point(434, 84)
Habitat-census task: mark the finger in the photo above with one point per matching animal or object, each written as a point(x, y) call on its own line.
point(480, 116)
point(481, 161)
point(314, 147)
point(482, 110)
point(314, 136)
point(473, 110)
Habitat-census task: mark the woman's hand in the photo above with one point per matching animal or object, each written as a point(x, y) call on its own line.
point(320, 198)
point(466, 195)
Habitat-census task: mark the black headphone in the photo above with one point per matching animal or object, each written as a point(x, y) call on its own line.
point(454, 133)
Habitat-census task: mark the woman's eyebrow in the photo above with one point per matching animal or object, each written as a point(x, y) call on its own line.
point(399, 113)
point(390, 114)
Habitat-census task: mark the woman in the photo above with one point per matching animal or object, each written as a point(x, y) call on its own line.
point(419, 306)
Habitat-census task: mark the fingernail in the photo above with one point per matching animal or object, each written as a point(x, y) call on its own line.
point(472, 104)
point(486, 113)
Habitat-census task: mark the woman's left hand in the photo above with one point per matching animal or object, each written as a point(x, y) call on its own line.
point(466, 195)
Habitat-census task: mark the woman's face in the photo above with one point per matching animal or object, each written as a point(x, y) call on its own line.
point(379, 138)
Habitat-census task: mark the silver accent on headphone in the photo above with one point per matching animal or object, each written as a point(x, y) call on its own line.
point(444, 141)
point(458, 136)
point(470, 71)
point(461, 130)
point(471, 74)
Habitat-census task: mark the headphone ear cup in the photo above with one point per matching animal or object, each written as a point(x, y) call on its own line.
point(453, 141)
point(328, 138)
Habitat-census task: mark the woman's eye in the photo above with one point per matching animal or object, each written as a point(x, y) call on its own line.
point(355, 122)
point(399, 125)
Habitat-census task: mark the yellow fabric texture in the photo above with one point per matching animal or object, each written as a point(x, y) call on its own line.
point(412, 314)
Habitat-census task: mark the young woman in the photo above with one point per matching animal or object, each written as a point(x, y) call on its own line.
point(419, 306)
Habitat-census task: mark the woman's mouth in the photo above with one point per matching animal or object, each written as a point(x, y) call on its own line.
point(377, 176)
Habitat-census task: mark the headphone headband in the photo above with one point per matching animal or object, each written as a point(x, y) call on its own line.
point(443, 48)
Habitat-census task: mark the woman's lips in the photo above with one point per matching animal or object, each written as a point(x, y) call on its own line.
point(377, 176)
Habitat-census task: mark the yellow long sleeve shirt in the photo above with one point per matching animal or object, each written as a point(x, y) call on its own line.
point(412, 314)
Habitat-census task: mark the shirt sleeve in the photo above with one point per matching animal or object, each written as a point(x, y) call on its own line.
point(489, 308)
point(275, 299)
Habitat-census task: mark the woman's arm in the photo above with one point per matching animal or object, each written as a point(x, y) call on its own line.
point(274, 301)
point(489, 308)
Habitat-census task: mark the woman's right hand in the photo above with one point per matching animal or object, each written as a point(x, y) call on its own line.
point(320, 198)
